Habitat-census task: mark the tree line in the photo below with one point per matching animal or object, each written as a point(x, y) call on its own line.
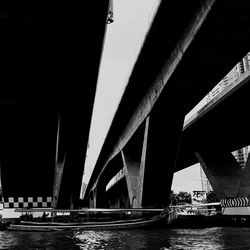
point(184, 197)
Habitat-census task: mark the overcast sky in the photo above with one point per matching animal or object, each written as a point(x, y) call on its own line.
point(188, 180)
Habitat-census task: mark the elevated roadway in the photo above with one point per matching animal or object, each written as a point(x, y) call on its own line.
point(221, 125)
point(50, 56)
point(188, 50)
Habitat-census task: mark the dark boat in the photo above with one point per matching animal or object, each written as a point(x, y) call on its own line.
point(98, 222)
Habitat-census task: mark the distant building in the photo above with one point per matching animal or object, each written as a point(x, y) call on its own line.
point(241, 155)
point(199, 197)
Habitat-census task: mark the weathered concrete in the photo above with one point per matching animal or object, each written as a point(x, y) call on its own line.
point(59, 166)
point(222, 171)
point(162, 151)
point(143, 162)
point(117, 196)
point(134, 165)
point(244, 189)
point(57, 183)
point(92, 199)
point(132, 170)
point(156, 88)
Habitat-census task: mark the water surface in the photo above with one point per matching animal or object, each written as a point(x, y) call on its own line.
point(193, 239)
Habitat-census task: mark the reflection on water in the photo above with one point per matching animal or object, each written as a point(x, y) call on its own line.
point(186, 239)
point(133, 239)
point(92, 239)
point(196, 239)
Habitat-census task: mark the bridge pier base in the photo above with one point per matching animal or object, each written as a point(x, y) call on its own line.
point(134, 165)
point(148, 163)
point(222, 171)
point(230, 181)
point(132, 170)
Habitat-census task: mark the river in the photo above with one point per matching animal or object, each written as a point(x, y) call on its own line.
point(164, 238)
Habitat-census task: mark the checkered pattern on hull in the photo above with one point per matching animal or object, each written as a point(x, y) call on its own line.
point(235, 202)
point(27, 202)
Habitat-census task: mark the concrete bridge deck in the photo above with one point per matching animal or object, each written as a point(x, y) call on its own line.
point(50, 55)
point(187, 51)
point(222, 124)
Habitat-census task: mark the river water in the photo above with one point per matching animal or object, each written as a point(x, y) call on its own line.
point(164, 238)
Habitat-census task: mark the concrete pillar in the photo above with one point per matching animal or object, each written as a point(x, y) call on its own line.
point(70, 157)
point(59, 166)
point(132, 169)
point(230, 181)
point(244, 189)
point(143, 161)
point(163, 143)
point(134, 165)
point(92, 200)
point(222, 171)
point(99, 195)
point(57, 183)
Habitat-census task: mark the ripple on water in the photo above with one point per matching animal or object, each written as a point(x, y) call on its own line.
point(92, 239)
point(173, 239)
point(120, 239)
point(35, 241)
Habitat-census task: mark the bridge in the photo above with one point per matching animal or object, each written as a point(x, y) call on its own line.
point(180, 62)
point(229, 128)
point(213, 134)
point(50, 56)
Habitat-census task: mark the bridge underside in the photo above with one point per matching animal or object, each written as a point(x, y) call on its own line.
point(225, 127)
point(50, 55)
point(187, 70)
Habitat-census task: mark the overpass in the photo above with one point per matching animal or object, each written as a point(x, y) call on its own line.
point(181, 60)
point(50, 55)
point(211, 137)
point(223, 119)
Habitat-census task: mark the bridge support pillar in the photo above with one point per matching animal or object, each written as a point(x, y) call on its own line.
point(59, 166)
point(98, 197)
point(57, 183)
point(69, 160)
point(92, 199)
point(134, 170)
point(230, 181)
point(163, 141)
point(149, 159)
point(244, 190)
point(222, 171)
point(133, 157)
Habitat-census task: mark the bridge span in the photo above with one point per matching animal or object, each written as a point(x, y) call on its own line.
point(187, 51)
point(211, 138)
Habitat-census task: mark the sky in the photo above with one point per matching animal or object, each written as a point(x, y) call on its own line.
point(187, 180)
point(124, 38)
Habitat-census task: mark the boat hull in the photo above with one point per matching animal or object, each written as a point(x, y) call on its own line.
point(41, 227)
